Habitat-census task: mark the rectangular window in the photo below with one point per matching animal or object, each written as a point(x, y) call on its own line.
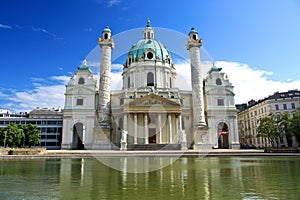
point(293, 105)
point(220, 102)
point(276, 107)
point(79, 102)
point(284, 107)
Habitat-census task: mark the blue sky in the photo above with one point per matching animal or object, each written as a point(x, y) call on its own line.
point(42, 42)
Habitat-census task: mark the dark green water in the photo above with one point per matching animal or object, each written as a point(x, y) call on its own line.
point(186, 178)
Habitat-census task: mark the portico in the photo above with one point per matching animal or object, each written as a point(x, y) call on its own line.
point(152, 120)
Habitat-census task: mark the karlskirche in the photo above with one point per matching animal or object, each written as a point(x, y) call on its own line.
point(149, 112)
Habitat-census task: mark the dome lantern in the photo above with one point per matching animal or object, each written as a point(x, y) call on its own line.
point(148, 31)
point(106, 33)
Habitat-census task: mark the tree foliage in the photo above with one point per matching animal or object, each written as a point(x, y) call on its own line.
point(13, 136)
point(275, 126)
point(19, 135)
point(32, 135)
point(269, 128)
point(295, 126)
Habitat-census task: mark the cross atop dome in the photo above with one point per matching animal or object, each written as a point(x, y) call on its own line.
point(148, 23)
point(148, 31)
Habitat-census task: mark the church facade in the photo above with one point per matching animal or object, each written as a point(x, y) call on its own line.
point(149, 112)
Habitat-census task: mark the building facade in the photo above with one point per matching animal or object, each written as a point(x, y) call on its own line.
point(48, 121)
point(250, 114)
point(150, 110)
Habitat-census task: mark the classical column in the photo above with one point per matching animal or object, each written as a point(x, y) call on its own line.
point(83, 135)
point(170, 129)
point(135, 128)
point(194, 45)
point(146, 128)
point(180, 122)
point(159, 129)
point(106, 45)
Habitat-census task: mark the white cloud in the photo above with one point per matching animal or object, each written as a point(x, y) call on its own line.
point(46, 92)
point(250, 83)
point(41, 96)
point(54, 36)
point(3, 26)
point(63, 79)
point(111, 3)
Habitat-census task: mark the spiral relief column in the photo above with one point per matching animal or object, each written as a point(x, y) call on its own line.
point(199, 124)
point(103, 128)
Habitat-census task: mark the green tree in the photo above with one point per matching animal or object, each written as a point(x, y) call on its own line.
point(14, 135)
point(269, 128)
point(295, 126)
point(32, 135)
point(284, 122)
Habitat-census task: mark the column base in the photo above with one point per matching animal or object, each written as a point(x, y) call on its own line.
point(184, 146)
point(101, 139)
point(123, 146)
point(235, 145)
point(201, 141)
point(66, 146)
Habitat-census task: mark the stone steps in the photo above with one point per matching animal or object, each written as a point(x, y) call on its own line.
point(152, 147)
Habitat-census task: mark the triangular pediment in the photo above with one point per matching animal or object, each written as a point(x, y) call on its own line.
point(151, 100)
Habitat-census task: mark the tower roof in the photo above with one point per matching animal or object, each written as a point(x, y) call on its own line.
point(215, 69)
point(193, 30)
point(106, 29)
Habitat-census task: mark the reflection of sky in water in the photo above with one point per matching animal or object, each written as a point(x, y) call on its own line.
point(173, 40)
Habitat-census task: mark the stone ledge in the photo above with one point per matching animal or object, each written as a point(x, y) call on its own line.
point(23, 151)
point(282, 150)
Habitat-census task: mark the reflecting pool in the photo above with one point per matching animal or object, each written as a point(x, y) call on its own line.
point(185, 178)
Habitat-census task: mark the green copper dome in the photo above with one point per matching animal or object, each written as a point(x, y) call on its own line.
point(149, 49)
point(142, 47)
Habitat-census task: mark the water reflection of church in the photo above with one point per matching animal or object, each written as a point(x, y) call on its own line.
point(150, 109)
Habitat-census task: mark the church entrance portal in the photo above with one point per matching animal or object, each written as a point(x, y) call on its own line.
point(223, 140)
point(152, 136)
point(78, 136)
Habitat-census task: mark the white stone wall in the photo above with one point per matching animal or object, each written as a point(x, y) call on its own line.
point(138, 71)
point(74, 113)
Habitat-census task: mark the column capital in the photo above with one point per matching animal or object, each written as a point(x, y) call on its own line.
point(194, 43)
point(106, 42)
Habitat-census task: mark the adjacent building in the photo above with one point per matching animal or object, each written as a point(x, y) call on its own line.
point(48, 121)
point(250, 114)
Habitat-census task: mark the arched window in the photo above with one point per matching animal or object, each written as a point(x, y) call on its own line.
point(150, 79)
point(194, 37)
point(105, 36)
point(81, 81)
point(218, 81)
